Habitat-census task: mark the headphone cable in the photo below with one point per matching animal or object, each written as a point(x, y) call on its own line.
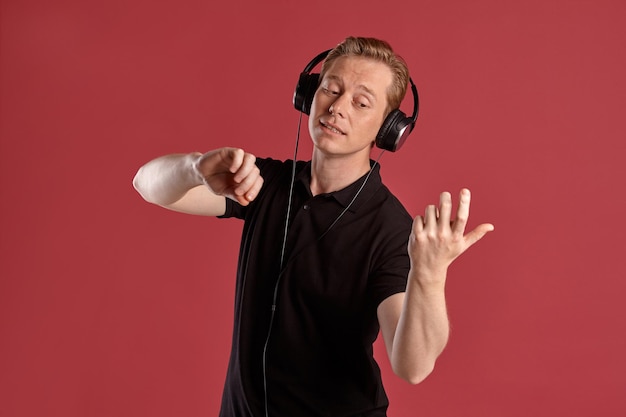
point(284, 244)
point(353, 198)
point(282, 257)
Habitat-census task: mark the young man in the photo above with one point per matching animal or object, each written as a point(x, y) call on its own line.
point(329, 256)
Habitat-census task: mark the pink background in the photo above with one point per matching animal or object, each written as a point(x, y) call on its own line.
point(112, 307)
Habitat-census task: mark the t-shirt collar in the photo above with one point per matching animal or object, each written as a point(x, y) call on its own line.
point(345, 195)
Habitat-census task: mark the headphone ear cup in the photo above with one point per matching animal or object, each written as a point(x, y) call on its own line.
point(394, 131)
point(305, 90)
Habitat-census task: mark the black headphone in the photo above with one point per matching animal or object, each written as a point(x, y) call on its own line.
point(394, 129)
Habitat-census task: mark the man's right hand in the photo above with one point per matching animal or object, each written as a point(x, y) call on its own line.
point(230, 172)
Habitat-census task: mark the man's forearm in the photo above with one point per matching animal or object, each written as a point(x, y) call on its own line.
point(166, 179)
point(423, 328)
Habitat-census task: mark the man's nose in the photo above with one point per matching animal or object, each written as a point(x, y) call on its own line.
point(338, 106)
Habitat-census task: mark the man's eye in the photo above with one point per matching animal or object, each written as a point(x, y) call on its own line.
point(330, 91)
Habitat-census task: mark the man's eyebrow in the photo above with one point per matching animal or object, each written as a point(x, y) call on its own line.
point(360, 86)
point(333, 78)
point(367, 90)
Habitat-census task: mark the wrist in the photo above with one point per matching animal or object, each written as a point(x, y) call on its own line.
point(429, 280)
point(194, 175)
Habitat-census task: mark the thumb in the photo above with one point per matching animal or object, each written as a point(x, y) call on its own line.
point(478, 233)
point(233, 158)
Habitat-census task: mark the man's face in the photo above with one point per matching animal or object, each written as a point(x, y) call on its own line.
point(349, 105)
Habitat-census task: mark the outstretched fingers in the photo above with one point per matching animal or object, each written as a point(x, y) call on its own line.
point(462, 214)
point(445, 211)
point(462, 217)
point(438, 238)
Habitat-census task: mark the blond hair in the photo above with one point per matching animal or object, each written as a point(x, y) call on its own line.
point(378, 50)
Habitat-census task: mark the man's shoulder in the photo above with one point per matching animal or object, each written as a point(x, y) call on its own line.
point(392, 204)
point(272, 164)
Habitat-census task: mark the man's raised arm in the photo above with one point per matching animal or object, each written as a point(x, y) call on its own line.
point(198, 183)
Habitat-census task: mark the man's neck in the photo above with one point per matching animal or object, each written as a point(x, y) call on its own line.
point(334, 173)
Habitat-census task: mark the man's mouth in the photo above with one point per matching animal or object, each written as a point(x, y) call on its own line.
point(332, 128)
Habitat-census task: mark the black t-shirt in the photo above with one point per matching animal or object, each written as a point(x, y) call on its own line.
point(319, 355)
